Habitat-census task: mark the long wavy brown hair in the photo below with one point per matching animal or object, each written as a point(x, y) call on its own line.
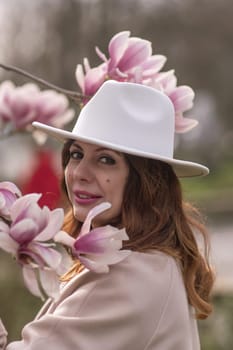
point(156, 217)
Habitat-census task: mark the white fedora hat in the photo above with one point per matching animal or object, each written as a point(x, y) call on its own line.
point(131, 118)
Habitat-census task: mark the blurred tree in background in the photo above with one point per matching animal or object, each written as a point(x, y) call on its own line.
point(50, 37)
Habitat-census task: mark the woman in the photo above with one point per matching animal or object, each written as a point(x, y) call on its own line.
point(121, 151)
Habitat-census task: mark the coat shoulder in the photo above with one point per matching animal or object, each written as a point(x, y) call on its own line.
point(150, 271)
point(142, 281)
point(154, 278)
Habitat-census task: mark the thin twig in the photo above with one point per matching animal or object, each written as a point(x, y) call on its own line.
point(73, 95)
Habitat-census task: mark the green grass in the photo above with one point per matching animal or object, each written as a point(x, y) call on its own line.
point(219, 181)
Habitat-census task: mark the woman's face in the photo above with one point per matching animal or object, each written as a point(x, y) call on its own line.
point(95, 174)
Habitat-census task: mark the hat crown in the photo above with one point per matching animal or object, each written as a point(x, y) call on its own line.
point(129, 116)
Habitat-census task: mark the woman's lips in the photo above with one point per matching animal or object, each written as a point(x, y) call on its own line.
point(83, 197)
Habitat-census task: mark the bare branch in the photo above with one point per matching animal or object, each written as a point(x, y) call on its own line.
point(72, 95)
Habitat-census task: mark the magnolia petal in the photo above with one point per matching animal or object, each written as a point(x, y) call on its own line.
point(55, 222)
point(117, 74)
point(66, 261)
point(152, 82)
point(116, 48)
point(97, 247)
point(167, 80)
point(155, 61)
point(92, 213)
point(49, 282)
point(7, 243)
point(23, 108)
point(30, 279)
point(7, 198)
point(2, 201)
point(23, 114)
point(64, 238)
point(101, 240)
point(60, 120)
point(32, 258)
point(50, 103)
point(109, 231)
point(88, 244)
point(21, 205)
point(4, 210)
point(40, 216)
point(5, 114)
point(51, 257)
point(136, 75)
point(39, 136)
point(94, 79)
point(153, 65)
point(86, 64)
point(99, 263)
point(101, 55)
point(93, 265)
point(182, 98)
point(137, 52)
point(8, 195)
point(20, 124)
point(24, 231)
point(4, 227)
point(10, 186)
point(79, 75)
point(183, 125)
point(28, 88)
point(7, 87)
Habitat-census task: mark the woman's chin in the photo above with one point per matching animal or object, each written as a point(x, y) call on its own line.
point(81, 214)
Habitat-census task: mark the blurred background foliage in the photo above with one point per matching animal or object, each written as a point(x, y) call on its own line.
point(50, 37)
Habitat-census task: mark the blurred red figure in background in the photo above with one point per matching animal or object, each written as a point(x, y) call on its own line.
point(44, 179)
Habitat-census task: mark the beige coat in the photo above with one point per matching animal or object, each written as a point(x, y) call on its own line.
point(140, 304)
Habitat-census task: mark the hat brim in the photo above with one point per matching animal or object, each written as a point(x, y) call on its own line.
point(182, 168)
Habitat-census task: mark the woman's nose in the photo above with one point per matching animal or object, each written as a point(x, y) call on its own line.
point(83, 171)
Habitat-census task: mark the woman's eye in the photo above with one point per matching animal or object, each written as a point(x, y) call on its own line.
point(107, 160)
point(75, 155)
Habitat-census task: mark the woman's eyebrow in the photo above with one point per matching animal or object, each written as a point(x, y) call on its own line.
point(76, 145)
point(100, 149)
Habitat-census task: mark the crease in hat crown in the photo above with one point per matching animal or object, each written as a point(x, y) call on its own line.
point(131, 118)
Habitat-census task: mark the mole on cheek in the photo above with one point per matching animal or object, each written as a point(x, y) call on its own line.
point(107, 180)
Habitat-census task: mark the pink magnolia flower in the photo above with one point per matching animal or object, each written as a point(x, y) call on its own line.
point(9, 192)
point(20, 106)
point(97, 248)
point(92, 79)
point(183, 125)
point(163, 81)
point(181, 97)
point(26, 238)
point(130, 58)
point(52, 108)
point(16, 104)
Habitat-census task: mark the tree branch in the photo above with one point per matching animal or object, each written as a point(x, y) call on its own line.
point(73, 95)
